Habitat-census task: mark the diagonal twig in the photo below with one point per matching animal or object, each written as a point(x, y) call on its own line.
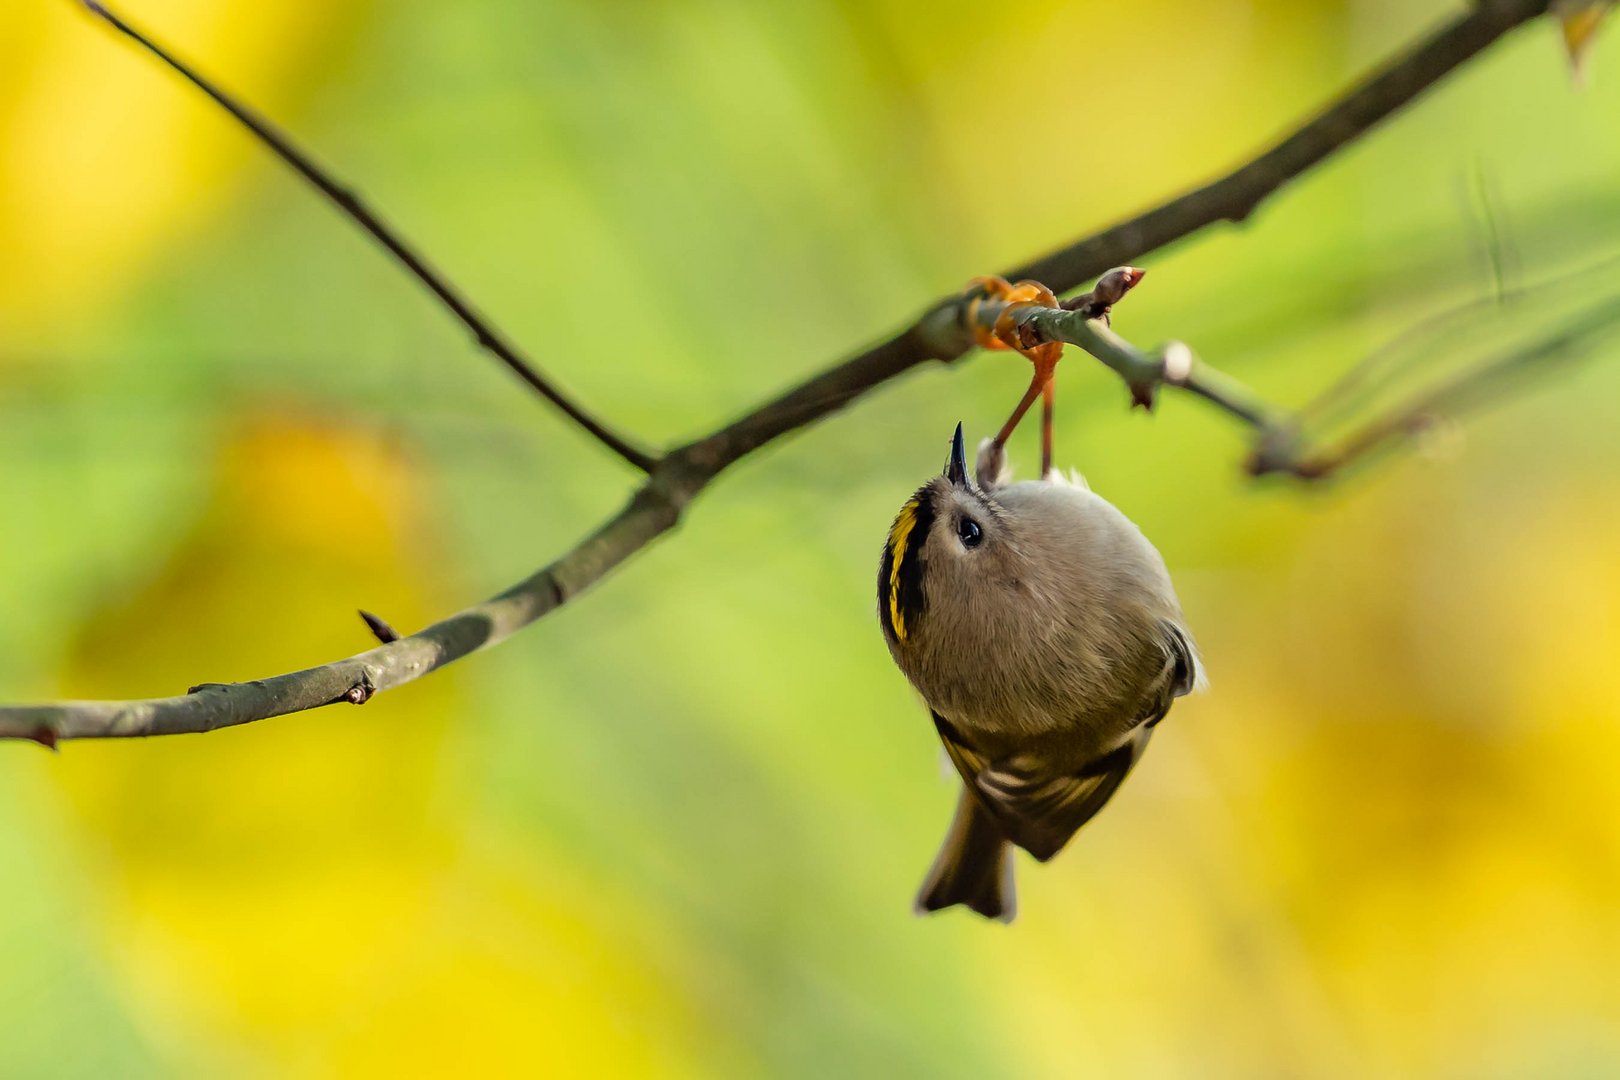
point(1280, 450)
point(1235, 196)
point(484, 332)
point(1360, 379)
point(1281, 444)
point(679, 476)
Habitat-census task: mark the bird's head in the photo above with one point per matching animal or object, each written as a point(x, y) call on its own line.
point(950, 539)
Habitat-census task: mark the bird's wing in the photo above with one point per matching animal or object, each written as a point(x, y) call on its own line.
point(969, 762)
point(1184, 669)
point(1040, 811)
point(1180, 674)
point(1037, 810)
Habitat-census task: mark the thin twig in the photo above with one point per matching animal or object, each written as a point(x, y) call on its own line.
point(1281, 443)
point(1350, 389)
point(1468, 390)
point(484, 332)
point(679, 476)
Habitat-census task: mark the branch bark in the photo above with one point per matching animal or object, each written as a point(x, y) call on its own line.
point(679, 476)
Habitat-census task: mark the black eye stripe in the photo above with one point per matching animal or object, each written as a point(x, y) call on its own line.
point(900, 594)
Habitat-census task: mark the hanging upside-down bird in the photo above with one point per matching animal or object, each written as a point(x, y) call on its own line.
point(1040, 627)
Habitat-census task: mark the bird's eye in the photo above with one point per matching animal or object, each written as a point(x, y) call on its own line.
point(968, 531)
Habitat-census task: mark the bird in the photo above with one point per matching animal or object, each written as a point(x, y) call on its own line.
point(1043, 633)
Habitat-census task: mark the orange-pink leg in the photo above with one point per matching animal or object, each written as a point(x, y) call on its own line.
point(1048, 398)
point(1038, 385)
point(1044, 356)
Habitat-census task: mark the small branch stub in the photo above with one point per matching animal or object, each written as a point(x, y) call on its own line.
point(379, 629)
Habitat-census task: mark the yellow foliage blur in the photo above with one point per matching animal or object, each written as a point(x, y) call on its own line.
point(101, 163)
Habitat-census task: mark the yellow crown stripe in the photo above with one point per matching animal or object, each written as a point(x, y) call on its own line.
point(899, 538)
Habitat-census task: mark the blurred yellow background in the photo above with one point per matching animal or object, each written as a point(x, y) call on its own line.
point(675, 829)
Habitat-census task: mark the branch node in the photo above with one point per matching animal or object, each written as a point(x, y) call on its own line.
point(1277, 451)
point(200, 687)
point(360, 692)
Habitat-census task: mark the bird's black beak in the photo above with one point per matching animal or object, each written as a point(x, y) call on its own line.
point(956, 465)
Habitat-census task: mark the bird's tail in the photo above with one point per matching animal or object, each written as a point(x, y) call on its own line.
point(974, 867)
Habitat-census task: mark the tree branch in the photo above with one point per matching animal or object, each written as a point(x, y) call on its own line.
point(484, 332)
point(1235, 196)
point(651, 512)
point(679, 476)
point(1230, 198)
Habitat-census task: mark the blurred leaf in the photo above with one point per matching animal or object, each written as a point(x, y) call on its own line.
point(105, 158)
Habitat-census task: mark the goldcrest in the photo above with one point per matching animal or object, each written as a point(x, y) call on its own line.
point(1041, 629)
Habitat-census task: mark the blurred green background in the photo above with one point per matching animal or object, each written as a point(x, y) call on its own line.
point(675, 829)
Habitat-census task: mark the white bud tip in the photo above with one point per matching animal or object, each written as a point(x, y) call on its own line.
point(1178, 363)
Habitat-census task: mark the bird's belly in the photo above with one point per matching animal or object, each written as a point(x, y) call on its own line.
point(1019, 710)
